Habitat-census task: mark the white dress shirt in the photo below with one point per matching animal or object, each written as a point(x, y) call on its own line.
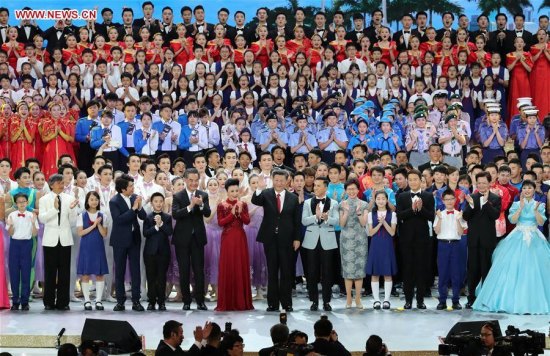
point(449, 229)
point(22, 225)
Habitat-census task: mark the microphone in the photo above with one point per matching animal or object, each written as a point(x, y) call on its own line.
point(61, 333)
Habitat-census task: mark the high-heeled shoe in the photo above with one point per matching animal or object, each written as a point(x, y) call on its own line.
point(359, 305)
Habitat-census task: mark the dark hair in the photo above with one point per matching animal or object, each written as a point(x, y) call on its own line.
point(231, 182)
point(122, 182)
point(90, 193)
point(67, 350)
point(65, 166)
point(189, 171)
point(351, 182)
point(20, 195)
point(280, 172)
point(31, 160)
point(322, 328)
point(156, 194)
point(229, 340)
point(378, 169)
point(414, 172)
point(324, 180)
point(448, 192)
point(529, 183)
point(483, 174)
point(279, 333)
point(104, 167)
point(19, 172)
point(374, 345)
point(171, 326)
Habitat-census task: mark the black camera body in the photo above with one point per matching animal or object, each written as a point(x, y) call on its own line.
point(525, 342)
point(293, 349)
point(461, 344)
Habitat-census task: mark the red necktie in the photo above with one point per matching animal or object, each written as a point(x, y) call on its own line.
point(246, 147)
point(278, 202)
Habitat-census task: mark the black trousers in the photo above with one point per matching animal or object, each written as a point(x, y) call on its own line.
point(280, 274)
point(320, 269)
point(116, 159)
point(415, 270)
point(479, 264)
point(191, 256)
point(132, 255)
point(57, 271)
point(86, 156)
point(156, 267)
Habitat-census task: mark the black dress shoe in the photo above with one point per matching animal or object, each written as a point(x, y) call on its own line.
point(162, 307)
point(457, 306)
point(186, 306)
point(327, 307)
point(202, 306)
point(407, 306)
point(272, 309)
point(441, 306)
point(14, 307)
point(136, 306)
point(119, 307)
point(314, 306)
point(421, 305)
point(288, 309)
point(63, 308)
point(49, 307)
point(25, 307)
point(469, 305)
point(151, 306)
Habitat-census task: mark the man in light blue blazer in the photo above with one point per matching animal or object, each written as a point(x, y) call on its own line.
point(319, 216)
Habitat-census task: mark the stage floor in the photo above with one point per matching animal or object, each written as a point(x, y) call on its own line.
point(411, 330)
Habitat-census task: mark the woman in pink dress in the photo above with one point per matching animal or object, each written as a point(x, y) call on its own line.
point(213, 236)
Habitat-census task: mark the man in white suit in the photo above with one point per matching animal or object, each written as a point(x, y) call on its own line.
point(319, 216)
point(57, 212)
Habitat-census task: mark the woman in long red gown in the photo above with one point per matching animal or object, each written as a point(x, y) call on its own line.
point(13, 48)
point(519, 65)
point(234, 267)
point(262, 47)
point(541, 73)
point(56, 140)
point(22, 130)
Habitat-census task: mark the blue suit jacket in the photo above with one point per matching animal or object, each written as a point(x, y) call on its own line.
point(96, 140)
point(184, 138)
point(124, 219)
point(82, 129)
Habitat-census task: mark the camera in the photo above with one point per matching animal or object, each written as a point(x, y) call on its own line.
point(526, 342)
point(464, 343)
point(293, 349)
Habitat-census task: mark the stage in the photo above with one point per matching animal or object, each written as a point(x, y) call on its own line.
point(412, 330)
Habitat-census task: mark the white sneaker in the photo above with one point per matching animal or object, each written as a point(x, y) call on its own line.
point(111, 299)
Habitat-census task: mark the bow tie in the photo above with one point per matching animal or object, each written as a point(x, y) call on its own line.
point(415, 195)
point(320, 200)
point(450, 212)
point(105, 189)
point(3, 27)
point(148, 185)
point(115, 64)
point(319, 29)
point(21, 215)
point(59, 31)
point(27, 26)
point(406, 31)
point(519, 31)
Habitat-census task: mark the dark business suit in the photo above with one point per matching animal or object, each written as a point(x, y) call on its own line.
point(156, 255)
point(428, 164)
point(50, 35)
point(414, 241)
point(277, 232)
point(134, 31)
point(189, 240)
point(421, 35)
point(126, 243)
point(22, 34)
point(401, 46)
point(103, 28)
point(482, 239)
point(164, 350)
point(329, 348)
point(153, 27)
point(503, 46)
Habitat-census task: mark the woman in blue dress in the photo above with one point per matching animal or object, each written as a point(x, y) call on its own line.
point(518, 282)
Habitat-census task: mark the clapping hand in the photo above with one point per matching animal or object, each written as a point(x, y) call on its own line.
point(137, 203)
point(97, 221)
point(74, 204)
point(318, 212)
point(158, 220)
point(469, 199)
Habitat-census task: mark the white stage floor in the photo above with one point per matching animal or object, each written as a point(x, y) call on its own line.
point(401, 330)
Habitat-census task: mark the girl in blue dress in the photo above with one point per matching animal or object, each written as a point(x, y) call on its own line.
point(518, 281)
point(92, 229)
point(381, 260)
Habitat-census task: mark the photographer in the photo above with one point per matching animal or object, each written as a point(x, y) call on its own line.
point(279, 336)
point(213, 342)
point(488, 342)
point(326, 340)
point(375, 347)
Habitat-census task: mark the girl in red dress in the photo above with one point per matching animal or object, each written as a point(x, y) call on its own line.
point(431, 45)
point(445, 58)
point(364, 53)
point(129, 52)
point(234, 267)
point(463, 43)
point(340, 43)
point(286, 56)
point(213, 47)
point(5, 114)
point(316, 52)
point(71, 54)
point(480, 55)
point(100, 49)
point(156, 53)
point(56, 140)
point(181, 46)
point(12, 47)
point(238, 52)
point(519, 65)
point(388, 47)
point(263, 46)
point(300, 43)
point(36, 116)
point(84, 39)
point(541, 73)
point(41, 54)
point(416, 55)
point(22, 129)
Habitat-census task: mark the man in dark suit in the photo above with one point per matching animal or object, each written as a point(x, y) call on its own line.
point(281, 28)
point(520, 31)
point(27, 30)
point(421, 22)
point(501, 40)
point(403, 37)
point(168, 27)
point(326, 340)
point(446, 31)
point(435, 158)
point(127, 27)
point(414, 210)
point(200, 25)
point(157, 228)
point(172, 333)
point(189, 208)
point(358, 30)
point(280, 232)
point(279, 336)
point(103, 28)
point(376, 22)
point(483, 29)
point(148, 21)
point(125, 208)
point(482, 210)
point(4, 19)
point(55, 36)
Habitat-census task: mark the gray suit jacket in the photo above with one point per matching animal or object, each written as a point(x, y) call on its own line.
point(323, 231)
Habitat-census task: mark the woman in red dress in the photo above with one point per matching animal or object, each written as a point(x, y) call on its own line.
point(315, 54)
point(12, 47)
point(480, 55)
point(71, 54)
point(5, 114)
point(36, 114)
point(388, 47)
point(156, 53)
point(112, 34)
point(234, 267)
point(181, 46)
point(100, 49)
point(340, 43)
point(213, 47)
point(300, 43)
point(41, 54)
point(463, 43)
point(56, 141)
point(431, 45)
point(445, 58)
point(519, 65)
point(262, 47)
point(285, 55)
point(22, 129)
point(541, 73)
point(416, 55)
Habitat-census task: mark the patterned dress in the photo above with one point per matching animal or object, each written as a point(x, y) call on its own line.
point(353, 243)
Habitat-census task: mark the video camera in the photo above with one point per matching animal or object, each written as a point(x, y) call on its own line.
point(293, 349)
point(526, 342)
point(464, 343)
